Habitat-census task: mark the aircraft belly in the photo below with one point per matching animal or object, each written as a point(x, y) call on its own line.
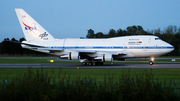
point(148, 52)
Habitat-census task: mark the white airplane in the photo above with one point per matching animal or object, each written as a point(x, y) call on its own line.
point(90, 51)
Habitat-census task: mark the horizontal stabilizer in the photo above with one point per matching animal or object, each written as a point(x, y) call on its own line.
point(50, 49)
point(31, 45)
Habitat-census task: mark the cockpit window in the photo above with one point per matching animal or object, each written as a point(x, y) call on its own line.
point(157, 39)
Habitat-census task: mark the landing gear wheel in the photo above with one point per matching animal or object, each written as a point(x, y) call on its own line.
point(100, 63)
point(92, 63)
point(84, 63)
point(150, 62)
point(89, 63)
point(97, 63)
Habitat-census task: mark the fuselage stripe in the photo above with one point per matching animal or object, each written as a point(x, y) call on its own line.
point(109, 47)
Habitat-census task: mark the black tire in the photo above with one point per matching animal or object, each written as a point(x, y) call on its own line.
point(97, 63)
point(150, 62)
point(101, 63)
point(89, 63)
point(84, 63)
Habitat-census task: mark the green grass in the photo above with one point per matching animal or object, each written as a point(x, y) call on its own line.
point(36, 85)
point(168, 75)
point(161, 74)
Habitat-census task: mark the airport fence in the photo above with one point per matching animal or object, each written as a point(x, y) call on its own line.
point(40, 86)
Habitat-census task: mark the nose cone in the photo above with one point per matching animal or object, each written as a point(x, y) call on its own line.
point(170, 47)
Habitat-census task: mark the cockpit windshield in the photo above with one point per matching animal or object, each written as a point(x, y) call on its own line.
point(157, 39)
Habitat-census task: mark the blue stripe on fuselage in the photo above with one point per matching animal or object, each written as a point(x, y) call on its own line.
point(116, 47)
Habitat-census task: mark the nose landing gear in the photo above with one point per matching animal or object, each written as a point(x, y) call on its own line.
point(151, 61)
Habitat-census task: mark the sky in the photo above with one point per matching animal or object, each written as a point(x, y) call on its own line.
point(72, 18)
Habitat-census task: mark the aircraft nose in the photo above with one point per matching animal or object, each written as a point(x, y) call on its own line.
point(170, 47)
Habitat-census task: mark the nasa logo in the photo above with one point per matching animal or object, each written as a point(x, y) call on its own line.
point(29, 28)
point(43, 35)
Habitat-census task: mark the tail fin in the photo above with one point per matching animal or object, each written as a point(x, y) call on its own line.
point(31, 29)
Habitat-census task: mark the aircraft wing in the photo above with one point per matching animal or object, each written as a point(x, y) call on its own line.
point(97, 55)
point(101, 52)
point(109, 52)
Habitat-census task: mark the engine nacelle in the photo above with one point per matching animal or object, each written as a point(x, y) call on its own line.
point(104, 58)
point(65, 56)
point(73, 56)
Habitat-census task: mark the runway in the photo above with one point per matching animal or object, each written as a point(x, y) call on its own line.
point(105, 66)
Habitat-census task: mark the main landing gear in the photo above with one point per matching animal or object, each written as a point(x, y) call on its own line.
point(151, 61)
point(92, 63)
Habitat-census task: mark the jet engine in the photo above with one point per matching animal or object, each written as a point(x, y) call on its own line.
point(104, 58)
point(71, 56)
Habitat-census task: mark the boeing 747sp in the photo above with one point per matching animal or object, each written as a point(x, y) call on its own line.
point(90, 51)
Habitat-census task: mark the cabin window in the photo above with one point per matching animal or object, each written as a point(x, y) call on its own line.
point(157, 39)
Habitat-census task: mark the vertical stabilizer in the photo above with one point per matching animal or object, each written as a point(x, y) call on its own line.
point(31, 29)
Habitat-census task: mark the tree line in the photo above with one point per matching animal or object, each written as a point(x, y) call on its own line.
point(170, 34)
point(8, 48)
